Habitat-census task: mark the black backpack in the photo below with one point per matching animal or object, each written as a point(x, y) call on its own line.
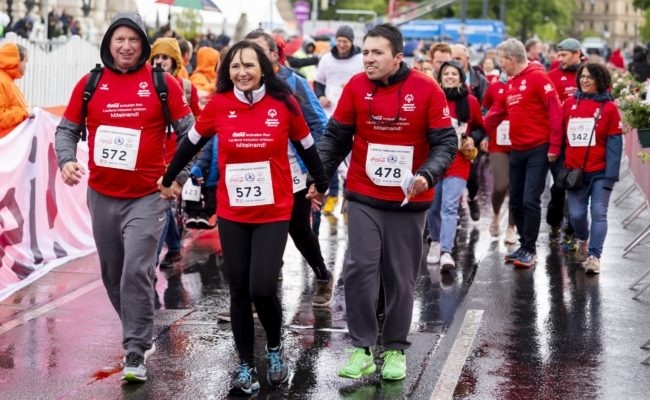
point(159, 82)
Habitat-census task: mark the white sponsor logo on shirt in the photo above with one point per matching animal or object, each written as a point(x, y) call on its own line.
point(548, 88)
point(232, 114)
point(272, 121)
point(409, 106)
point(144, 92)
point(104, 86)
point(368, 96)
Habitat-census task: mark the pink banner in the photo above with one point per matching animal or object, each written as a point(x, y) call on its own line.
point(42, 221)
point(640, 171)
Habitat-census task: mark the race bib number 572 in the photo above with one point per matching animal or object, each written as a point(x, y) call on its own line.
point(116, 147)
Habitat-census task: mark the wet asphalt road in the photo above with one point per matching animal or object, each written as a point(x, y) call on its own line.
point(546, 333)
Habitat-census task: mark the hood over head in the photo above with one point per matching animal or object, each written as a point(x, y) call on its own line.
point(455, 64)
point(10, 60)
point(207, 60)
point(533, 66)
point(134, 21)
point(170, 48)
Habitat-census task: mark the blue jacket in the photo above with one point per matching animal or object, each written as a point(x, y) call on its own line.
point(207, 162)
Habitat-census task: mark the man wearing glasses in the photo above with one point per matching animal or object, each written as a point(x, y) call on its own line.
point(396, 123)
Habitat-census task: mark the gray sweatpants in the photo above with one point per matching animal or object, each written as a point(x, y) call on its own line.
point(389, 242)
point(126, 233)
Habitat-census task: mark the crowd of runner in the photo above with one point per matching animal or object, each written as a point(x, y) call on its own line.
point(258, 137)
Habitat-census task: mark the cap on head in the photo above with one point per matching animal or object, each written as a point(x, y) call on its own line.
point(569, 44)
point(346, 32)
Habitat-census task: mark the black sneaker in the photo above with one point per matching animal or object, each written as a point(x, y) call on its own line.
point(170, 258)
point(134, 369)
point(278, 371)
point(244, 381)
point(474, 209)
point(509, 258)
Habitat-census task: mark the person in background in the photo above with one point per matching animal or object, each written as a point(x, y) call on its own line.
point(204, 76)
point(439, 53)
point(255, 196)
point(551, 57)
point(334, 71)
point(534, 48)
point(166, 53)
point(13, 106)
point(639, 67)
point(491, 72)
point(533, 108)
point(186, 55)
point(424, 65)
point(617, 60)
point(465, 113)
point(593, 102)
point(497, 145)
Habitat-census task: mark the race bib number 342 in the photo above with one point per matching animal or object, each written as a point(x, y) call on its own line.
point(249, 184)
point(116, 147)
point(579, 132)
point(386, 164)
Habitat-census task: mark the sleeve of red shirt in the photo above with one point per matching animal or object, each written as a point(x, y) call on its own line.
point(178, 106)
point(299, 129)
point(614, 117)
point(73, 110)
point(554, 107)
point(438, 109)
point(345, 112)
point(194, 102)
point(497, 113)
point(488, 100)
point(205, 124)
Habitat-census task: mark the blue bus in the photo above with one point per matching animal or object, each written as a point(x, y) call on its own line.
point(476, 32)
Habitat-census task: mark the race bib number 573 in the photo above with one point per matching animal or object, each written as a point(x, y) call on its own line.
point(386, 164)
point(249, 184)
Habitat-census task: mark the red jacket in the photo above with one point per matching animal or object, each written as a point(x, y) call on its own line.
point(533, 107)
point(565, 82)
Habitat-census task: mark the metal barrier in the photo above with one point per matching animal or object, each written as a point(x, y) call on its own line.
point(641, 174)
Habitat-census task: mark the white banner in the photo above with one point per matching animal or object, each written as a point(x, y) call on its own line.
point(43, 222)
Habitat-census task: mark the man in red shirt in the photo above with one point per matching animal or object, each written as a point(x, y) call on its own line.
point(126, 141)
point(564, 78)
point(396, 123)
point(532, 105)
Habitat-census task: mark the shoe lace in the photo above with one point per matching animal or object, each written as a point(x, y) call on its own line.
point(275, 361)
point(390, 356)
point(357, 355)
point(244, 373)
point(134, 359)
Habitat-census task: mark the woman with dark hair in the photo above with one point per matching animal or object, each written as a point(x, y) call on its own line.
point(592, 127)
point(465, 112)
point(254, 116)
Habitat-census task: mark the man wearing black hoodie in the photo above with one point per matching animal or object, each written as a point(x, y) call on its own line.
point(126, 139)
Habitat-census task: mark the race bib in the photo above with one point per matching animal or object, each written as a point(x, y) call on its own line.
point(386, 164)
point(503, 134)
point(579, 131)
point(249, 184)
point(461, 129)
point(116, 147)
point(191, 192)
point(298, 177)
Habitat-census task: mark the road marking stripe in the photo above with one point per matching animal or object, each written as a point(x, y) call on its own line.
point(47, 307)
point(460, 350)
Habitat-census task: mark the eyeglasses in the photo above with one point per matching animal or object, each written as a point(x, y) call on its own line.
point(587, 78)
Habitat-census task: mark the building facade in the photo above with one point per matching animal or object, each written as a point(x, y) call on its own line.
point(617, 21)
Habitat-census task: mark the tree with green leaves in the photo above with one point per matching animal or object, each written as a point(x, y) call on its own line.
point(187, 22)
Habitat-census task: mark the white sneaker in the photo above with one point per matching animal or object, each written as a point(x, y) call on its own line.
point(447, 263)
point(511, 235)
point(592, 265)
point(433, 257)
point(495, 229)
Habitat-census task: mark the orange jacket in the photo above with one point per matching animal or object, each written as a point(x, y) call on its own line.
point(205, 75)
point(13, 107)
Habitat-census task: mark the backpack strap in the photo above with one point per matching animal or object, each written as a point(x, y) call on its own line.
point(89, 90)
point(160, 83)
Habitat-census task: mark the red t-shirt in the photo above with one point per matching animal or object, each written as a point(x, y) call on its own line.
point(460, 166)
point(170, 144)
point(399, 115)
point(126, 101)
point(257, 134)
point(608, 124)
point(564, 82)
point(495, 93)
point(528, 97)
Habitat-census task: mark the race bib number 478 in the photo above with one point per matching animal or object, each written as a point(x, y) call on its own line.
point(386, 164)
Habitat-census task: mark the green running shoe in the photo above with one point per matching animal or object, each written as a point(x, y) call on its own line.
point(358, 365)
point(394, 368)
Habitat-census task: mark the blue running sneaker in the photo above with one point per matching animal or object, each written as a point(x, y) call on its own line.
point(513, 256)
point(279, 370)
point(244, 381)
point(526, 259)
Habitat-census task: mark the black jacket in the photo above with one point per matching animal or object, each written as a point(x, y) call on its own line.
point(337, 140)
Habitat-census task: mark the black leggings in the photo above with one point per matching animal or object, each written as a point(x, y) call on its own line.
point(253, 257)
point(304, 237)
